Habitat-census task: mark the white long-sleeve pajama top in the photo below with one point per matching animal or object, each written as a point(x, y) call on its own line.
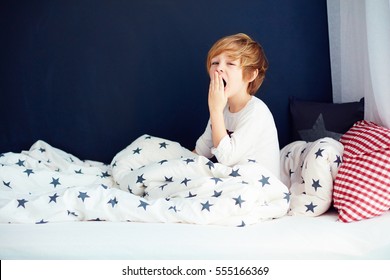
point(252, 136)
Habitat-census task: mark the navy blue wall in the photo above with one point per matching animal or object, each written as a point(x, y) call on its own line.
point(90, 76)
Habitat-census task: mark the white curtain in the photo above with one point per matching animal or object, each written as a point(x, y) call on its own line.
point(359, 38)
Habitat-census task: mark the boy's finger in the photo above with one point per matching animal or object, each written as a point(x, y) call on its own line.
point(216, 80)
point(220, 82)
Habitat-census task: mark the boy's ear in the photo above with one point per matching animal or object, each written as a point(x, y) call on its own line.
point(254, 75)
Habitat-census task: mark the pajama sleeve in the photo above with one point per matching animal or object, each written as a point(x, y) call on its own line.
point(205, 143)
point(236, 148)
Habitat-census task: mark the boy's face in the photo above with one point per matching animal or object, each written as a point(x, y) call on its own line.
point(231, 72)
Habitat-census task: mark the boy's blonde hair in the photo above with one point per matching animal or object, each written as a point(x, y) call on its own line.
point(249, 52)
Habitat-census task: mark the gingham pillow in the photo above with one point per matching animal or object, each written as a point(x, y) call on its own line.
point(362, 186)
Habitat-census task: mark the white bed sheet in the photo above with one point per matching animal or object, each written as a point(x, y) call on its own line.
point(290, 237)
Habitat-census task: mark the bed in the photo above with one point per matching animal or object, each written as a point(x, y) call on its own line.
point(290, 237)
point(240, 212)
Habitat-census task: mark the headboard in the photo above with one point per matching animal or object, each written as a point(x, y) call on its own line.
point(89, 76)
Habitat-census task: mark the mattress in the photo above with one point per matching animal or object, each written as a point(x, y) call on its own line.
point(289, 237)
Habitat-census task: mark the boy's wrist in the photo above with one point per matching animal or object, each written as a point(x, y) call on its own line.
point(216, 110)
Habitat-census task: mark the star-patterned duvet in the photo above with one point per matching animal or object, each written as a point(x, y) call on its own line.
point(309, 169)
point(151, 180)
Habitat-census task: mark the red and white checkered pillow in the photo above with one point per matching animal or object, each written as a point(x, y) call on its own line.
point(362, 186)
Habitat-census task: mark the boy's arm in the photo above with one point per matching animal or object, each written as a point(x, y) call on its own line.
point(217, 101)
point(218, 127)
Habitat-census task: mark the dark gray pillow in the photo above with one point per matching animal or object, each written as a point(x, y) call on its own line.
point(314, 120)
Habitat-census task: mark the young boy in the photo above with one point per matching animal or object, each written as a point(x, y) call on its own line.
point(241, 128)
